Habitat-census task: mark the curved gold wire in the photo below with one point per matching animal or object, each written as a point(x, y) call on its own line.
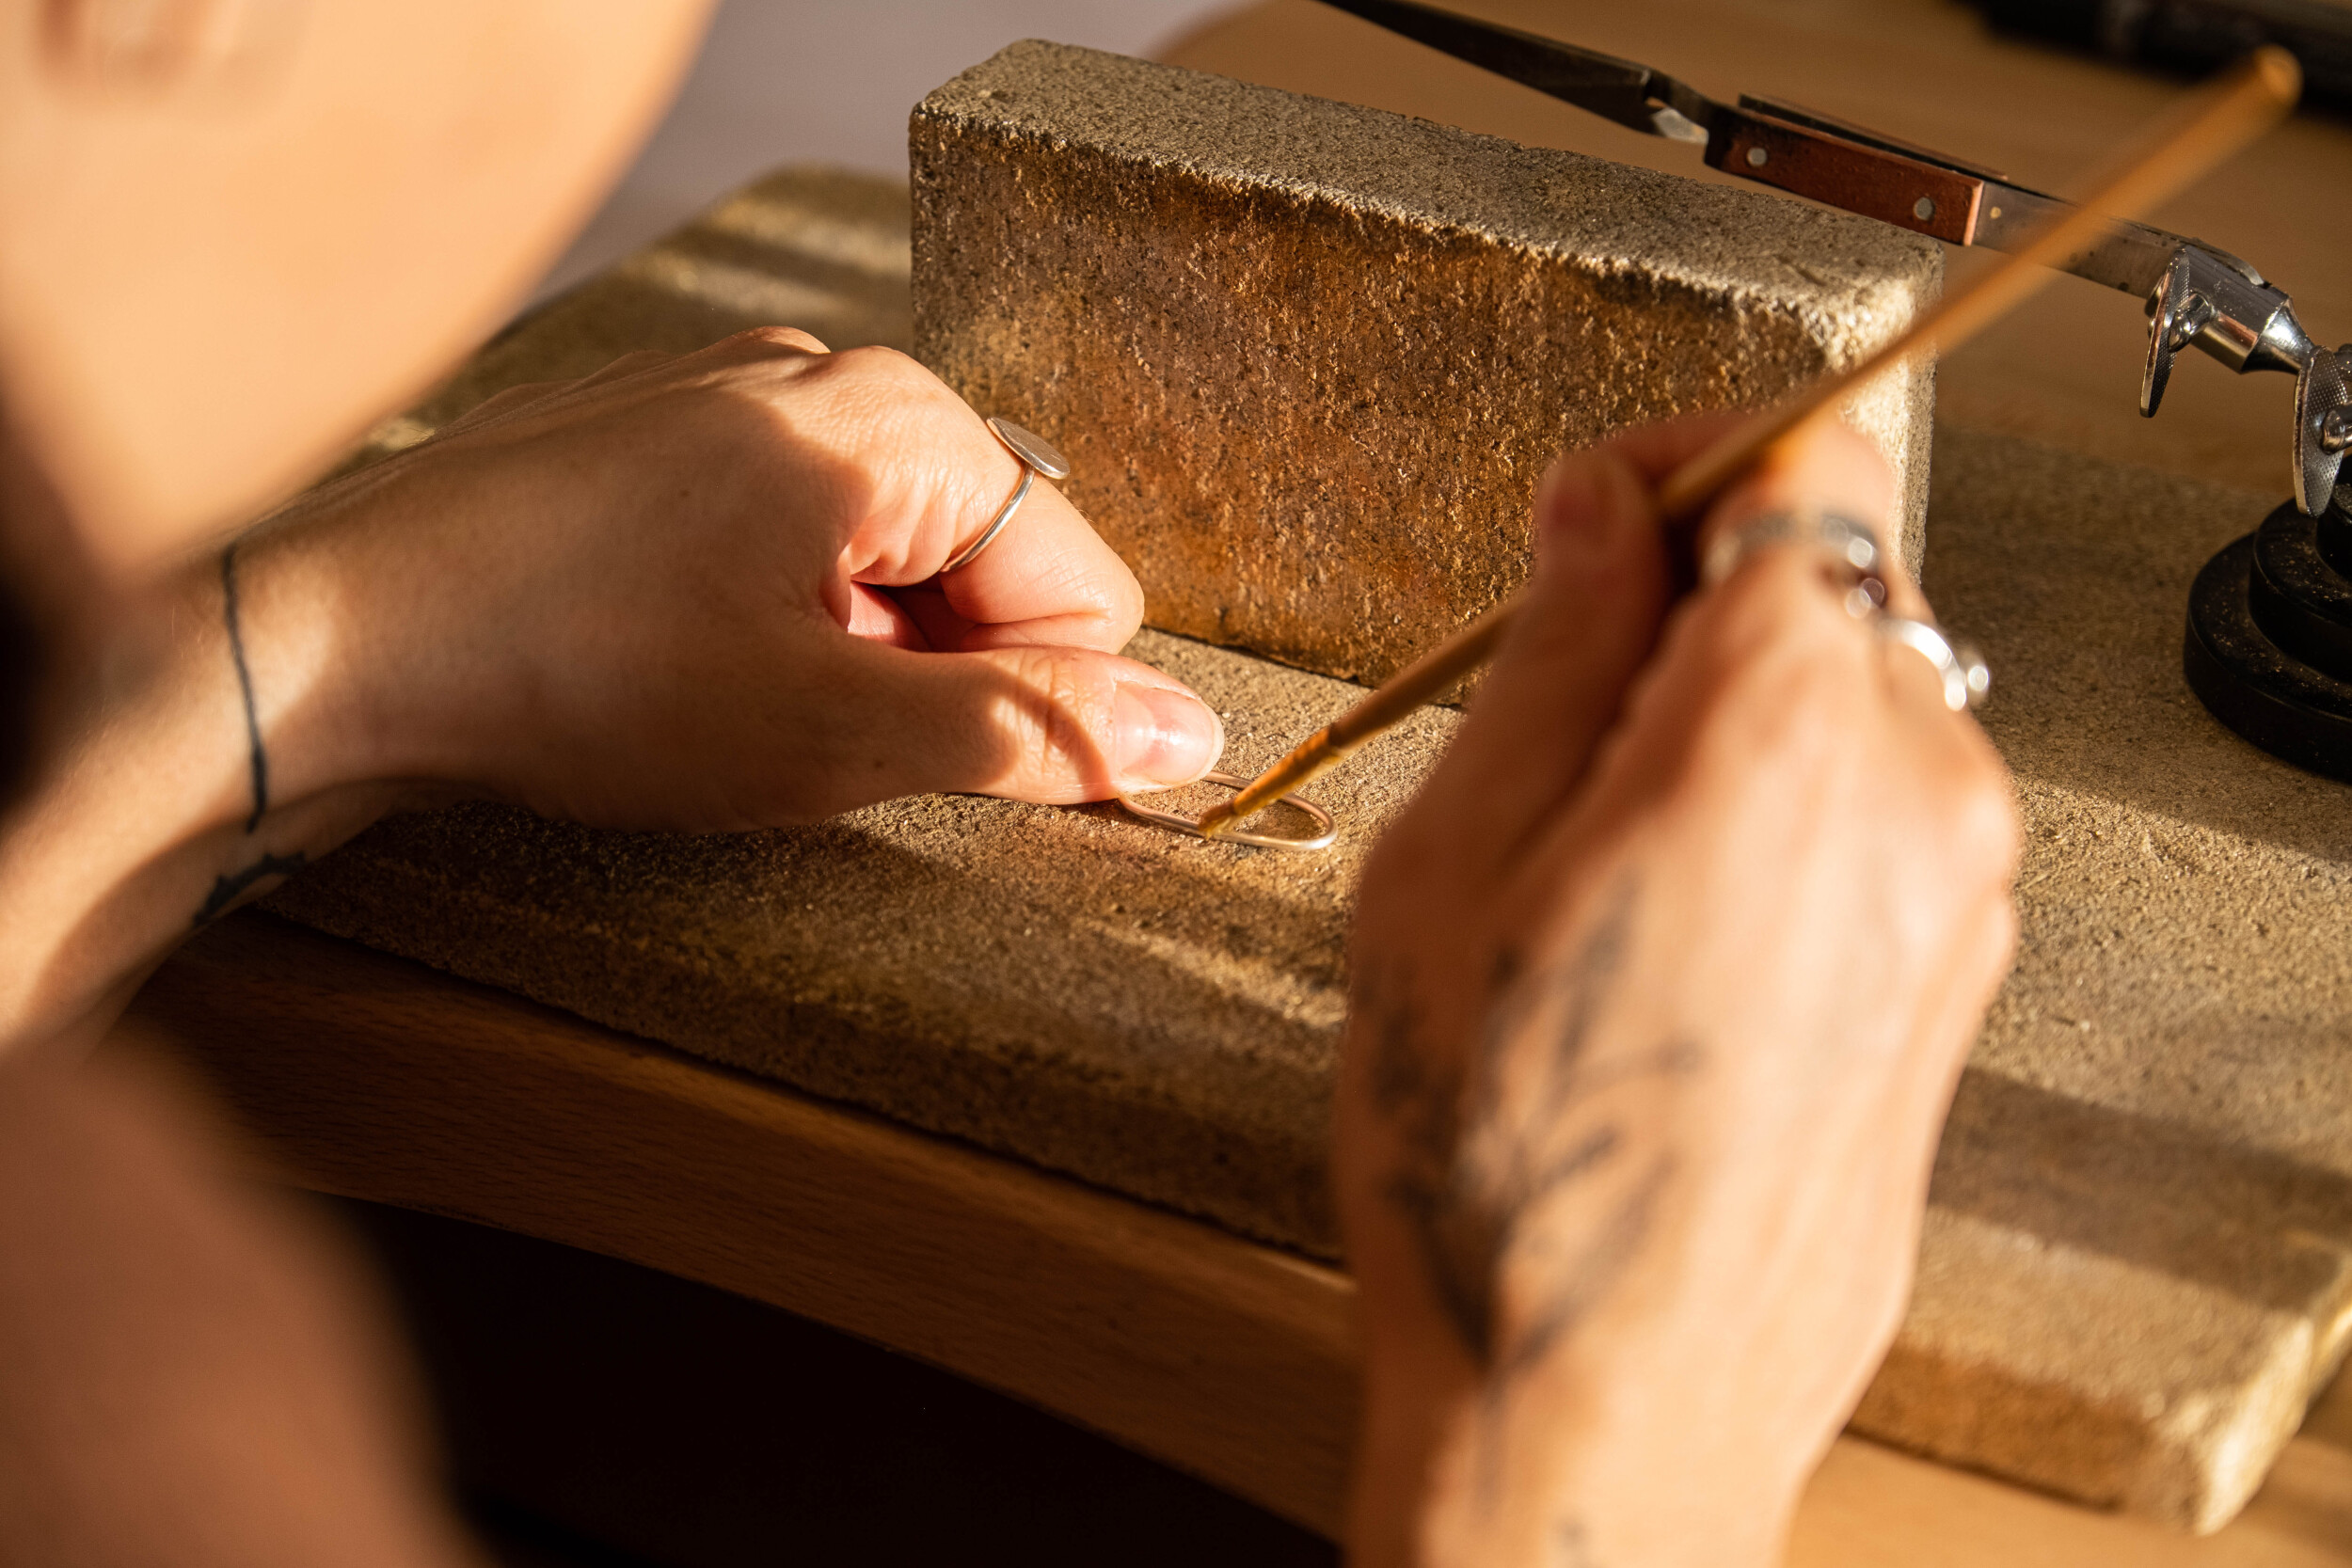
point(1177, 821)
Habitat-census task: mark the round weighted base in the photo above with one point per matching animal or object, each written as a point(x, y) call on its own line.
point(2272, 697)
point(2300, 598)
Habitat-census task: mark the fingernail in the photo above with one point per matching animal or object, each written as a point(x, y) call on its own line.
point(1591, 505)
point(1165, 737)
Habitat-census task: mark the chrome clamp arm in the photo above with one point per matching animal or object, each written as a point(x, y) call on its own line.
point(2211, 299)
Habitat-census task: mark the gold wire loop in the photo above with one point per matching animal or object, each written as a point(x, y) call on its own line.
point(1177, 821)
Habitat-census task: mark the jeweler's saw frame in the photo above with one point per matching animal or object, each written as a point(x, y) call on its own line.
point(2196, 294)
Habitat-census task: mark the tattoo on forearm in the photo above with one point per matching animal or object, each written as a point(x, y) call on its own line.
point(1492, 1144)
point(244, 687)
point(227, 888)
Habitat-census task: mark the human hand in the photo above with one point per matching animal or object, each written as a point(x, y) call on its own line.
point(1661, 989)
point(696, 593)
point(701, 593)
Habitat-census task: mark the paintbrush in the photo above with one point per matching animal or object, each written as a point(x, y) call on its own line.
point(2209, 126)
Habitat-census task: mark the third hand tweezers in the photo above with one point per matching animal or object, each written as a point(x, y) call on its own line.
point(2195, 292)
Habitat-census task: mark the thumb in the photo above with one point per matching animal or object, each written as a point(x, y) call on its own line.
point(1053, 726)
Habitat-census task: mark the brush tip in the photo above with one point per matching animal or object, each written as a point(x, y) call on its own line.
point(2280, 72)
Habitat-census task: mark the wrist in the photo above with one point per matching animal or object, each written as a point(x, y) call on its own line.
point(261, 700)
point(194, 757)
point(369, 653)
point(1488, 1475)
point(1602, 1450)
point(300, 644)
point(408, 598)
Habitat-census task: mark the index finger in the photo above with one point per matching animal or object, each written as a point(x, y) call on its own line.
point(1824, 466)
point(1655, 450)
point(1048, 578)
point(1045, 579)
point(1824, 469)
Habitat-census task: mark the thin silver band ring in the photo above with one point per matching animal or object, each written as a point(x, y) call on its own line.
point(1853, 547)
point(988, 535)
point(1848, 540)
point(1850, 544)
point(1966, 678)
point(1037, 456)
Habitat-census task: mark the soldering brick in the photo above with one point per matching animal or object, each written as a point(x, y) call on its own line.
point(1311, 360)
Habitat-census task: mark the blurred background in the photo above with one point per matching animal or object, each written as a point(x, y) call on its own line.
point(831, 81)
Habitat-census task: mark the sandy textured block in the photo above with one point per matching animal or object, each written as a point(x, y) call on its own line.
point(1069, 986)
point(1309, 360)
point(2137, 1261)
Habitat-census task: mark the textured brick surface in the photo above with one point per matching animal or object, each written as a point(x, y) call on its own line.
point(2138, 1256)
point(1071, 987)
point(1309, 360)
point(2138, 1260)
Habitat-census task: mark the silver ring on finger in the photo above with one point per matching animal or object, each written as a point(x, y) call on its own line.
point(1037, 457)
point(1965, 675)
point(1850, 544)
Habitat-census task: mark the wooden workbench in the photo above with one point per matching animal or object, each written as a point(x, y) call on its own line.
point(372, 1077)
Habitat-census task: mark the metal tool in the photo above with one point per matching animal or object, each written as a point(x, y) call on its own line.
point(2196, 294)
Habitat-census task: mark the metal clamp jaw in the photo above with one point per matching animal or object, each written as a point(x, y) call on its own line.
point(2210, 298)
point(2197, 294)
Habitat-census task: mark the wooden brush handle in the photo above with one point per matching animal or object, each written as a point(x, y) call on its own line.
point(2209, 127)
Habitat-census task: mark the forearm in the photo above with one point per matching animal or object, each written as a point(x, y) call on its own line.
point(1562, 1464)
point(1535, 1393)
point(191, 771)
point(194, 1375)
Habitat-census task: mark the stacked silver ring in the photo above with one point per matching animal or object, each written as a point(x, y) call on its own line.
point(1854, 546)
point(1966, 676)
point(1037, 456)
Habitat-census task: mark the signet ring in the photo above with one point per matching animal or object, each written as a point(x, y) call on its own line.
point(1037, 456)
